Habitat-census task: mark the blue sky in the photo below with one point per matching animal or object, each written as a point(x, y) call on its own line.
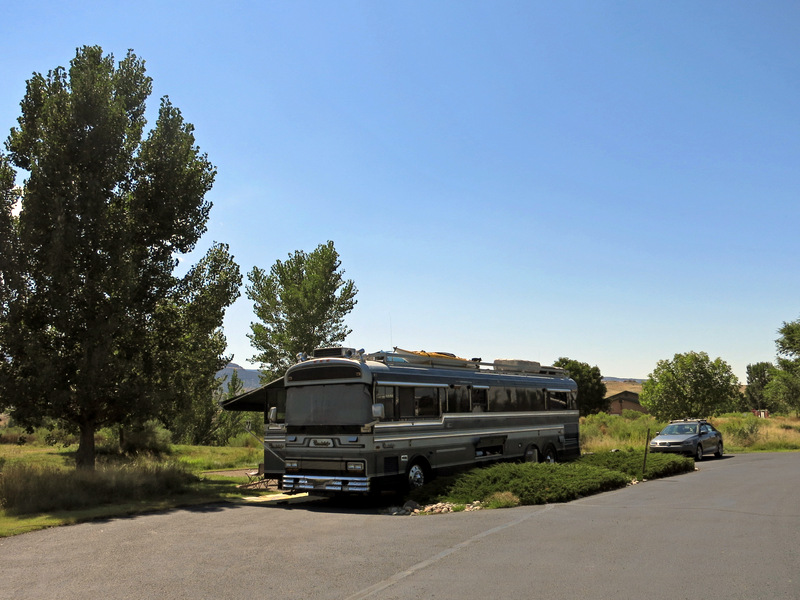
point(614, 182)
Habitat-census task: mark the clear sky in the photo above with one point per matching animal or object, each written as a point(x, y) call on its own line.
point(614, 182)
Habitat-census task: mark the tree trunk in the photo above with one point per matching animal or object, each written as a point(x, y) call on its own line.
point(84, 458)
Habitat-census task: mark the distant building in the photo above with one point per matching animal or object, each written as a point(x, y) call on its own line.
point(624, 401)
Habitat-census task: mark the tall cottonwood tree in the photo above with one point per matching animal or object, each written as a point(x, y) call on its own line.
point(301, 304)
point(783, 389)
point(96, 325)
point(690, 385)
point(591, 389)
point(758, 377)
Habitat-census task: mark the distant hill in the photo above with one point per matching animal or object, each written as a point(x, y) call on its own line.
point(615, 385)
point(249, 377)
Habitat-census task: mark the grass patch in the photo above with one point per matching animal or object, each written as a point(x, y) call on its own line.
point(27, 489)
point(741, 432)
point(217, 458)
point(39, 486)
point(603, 432)
point(502, 500)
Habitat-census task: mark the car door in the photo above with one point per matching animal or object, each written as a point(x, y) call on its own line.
point(707, 439)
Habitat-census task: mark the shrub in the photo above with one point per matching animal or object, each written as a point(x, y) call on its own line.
point(150, 438)
point(630, 462)
point(532, 483)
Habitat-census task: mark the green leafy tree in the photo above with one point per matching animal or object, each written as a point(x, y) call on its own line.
point(96, 326)
point(690, 385)
point(591, 389)
point(9, 278)
point(784, 387)
point(300, 305)
point(231, 423)
point(758, 377)
point(192, 321)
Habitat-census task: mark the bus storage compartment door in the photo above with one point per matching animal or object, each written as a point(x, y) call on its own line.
point(490, 446)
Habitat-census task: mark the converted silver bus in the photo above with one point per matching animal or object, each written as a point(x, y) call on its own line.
point(359, 423)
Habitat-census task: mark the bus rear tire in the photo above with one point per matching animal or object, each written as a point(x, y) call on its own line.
point(549, 455)
point(531, 454)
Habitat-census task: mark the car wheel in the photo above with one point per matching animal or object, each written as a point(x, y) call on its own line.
point(416, 476)
point(549, 455)
point(718, 453)
point(698, 453)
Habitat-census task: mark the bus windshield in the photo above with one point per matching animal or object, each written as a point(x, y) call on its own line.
point(339, 404)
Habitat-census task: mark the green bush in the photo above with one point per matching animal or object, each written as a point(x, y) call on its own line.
point(630, 462)
point(540, 483)
point(150, 438)
point(532, 483)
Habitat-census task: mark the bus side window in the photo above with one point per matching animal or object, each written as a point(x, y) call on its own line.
point(384, 394)
point(458, 399)
point(524, 399)
point(556, 400)
point(502, 399)
point(539, 399)
point(427, 402)
point(479, 400)
point(405, 402)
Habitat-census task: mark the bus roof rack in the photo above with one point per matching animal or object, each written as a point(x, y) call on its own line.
point(421, 358)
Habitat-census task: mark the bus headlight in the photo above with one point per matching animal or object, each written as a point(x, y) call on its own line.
point(291, 466)
point(355, 467)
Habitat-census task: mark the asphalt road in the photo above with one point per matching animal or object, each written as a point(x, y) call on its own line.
point(729, 530)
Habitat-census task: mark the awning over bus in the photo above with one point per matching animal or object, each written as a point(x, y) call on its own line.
point(254, 400)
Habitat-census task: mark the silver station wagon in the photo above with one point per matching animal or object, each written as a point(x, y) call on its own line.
point(695, 437)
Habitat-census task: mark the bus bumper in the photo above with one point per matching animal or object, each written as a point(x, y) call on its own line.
point(324, 483)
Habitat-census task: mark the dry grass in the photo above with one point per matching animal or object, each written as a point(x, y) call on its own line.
point(740, 432)
point(615, 387)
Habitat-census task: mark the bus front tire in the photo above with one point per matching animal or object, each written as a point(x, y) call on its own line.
point(417, 476)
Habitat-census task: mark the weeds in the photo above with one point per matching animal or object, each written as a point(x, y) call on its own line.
point(502, 500)
point(606, 432)
point(26, 489)
point(739, 430)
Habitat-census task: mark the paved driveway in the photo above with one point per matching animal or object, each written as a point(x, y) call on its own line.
point(729, 530)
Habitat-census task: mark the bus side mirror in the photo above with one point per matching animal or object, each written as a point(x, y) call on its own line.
point(378, 411)
point(273, 414)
